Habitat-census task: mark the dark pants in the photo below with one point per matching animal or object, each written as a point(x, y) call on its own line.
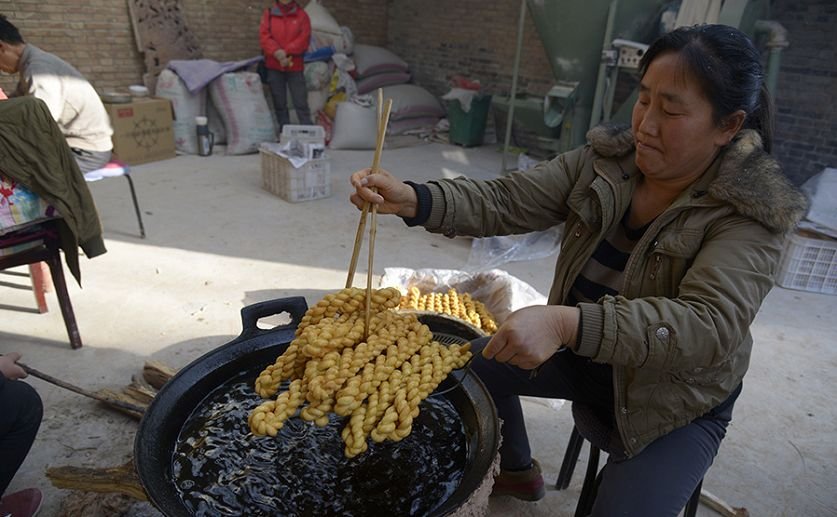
point(279, 83)
point(90, 160)
point(20, 416)
point(658, 481)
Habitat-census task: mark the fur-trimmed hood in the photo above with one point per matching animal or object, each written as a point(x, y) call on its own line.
point(748, 178)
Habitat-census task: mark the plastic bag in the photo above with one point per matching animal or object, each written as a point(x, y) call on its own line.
point(822, 192)
point(491, 252)
point(501, 292)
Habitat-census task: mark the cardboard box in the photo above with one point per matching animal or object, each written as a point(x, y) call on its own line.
point(142, 130)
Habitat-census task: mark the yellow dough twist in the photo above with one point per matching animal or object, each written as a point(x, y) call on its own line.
point(378, 383)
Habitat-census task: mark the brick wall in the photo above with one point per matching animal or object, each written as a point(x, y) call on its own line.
point(438, 38)
point(368, 19)
point(469, 37)
point(94, 35)
point(806, 100)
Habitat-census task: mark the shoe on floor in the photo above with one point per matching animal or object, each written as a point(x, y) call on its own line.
point(25, 503)
point(525, 484)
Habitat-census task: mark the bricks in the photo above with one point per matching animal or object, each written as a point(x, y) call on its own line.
point(806, 132)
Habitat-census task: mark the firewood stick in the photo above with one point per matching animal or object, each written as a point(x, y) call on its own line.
point(122, 479)
point(156, 373)
point(715, 503)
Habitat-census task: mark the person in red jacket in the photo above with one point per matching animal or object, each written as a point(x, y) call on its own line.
point(283, 36)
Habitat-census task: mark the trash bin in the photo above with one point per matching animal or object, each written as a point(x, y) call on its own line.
point(468, 129)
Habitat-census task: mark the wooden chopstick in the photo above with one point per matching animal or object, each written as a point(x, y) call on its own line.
point(384, 110)
point(361, 225)
point(373, 229)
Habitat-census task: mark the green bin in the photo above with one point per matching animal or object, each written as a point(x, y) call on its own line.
point(468, 129)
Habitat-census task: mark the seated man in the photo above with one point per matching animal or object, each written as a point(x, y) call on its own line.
point(71, 99)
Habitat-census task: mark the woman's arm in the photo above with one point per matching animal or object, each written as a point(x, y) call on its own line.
point(521, 202)
point(717, 300)
point(266, 42)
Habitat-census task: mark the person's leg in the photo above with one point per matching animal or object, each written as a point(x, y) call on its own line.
point(661, 478)
point(278, 90)
point(20, 416)
point(565, 375)
point(299, 94)
point(90, 160)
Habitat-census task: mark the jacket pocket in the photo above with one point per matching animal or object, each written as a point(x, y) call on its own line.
point(672, 254)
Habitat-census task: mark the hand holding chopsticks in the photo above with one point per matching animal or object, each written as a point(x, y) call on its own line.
point(383, 120)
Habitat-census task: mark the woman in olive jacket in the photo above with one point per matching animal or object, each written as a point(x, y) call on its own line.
point(673, 232)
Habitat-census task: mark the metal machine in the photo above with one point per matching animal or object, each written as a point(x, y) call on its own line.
point(590, 42)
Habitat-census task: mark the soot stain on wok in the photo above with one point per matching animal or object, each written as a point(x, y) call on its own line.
point(220, 468)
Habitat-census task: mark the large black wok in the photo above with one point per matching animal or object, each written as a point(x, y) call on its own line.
point(159, 429)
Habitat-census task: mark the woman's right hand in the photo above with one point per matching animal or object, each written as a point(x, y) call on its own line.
point(9, 368)
point(392, 196)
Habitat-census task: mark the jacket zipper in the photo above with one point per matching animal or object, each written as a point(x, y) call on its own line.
point(643, 247)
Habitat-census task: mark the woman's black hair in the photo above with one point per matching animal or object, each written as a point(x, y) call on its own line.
point(8, 32)
point(728, 67)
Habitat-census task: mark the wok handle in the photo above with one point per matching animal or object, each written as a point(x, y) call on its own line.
point(250, 315)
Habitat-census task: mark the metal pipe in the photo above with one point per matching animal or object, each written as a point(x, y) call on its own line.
point(611, 92)
point(777, 40)
point(595, 115)
point(515, 74)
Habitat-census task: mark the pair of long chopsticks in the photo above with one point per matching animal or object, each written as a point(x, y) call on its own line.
point(81, 391)
point(383, 120)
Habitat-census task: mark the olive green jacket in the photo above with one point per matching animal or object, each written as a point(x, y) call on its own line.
point(677, 335)
point(34, 153)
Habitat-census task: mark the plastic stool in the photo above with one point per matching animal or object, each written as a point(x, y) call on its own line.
point(113, 169)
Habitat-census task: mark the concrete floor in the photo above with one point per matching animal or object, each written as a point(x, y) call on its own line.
point(217, 242)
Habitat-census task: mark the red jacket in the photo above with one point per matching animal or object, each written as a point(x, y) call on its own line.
point(285, 27)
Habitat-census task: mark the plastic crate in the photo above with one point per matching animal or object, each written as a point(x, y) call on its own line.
point(312, 134)
point(309, 182)
point(809, 264)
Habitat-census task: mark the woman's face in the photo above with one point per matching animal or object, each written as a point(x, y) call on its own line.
point(676, 137)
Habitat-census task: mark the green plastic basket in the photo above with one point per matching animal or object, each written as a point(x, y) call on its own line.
point(468, 129)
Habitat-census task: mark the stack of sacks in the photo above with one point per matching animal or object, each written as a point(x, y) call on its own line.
point(413, 108)
point(377, 67)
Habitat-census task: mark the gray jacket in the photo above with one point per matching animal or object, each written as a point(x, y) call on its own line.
point(71, 99)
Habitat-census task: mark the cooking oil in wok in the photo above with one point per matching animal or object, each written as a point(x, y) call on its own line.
point(221, 469)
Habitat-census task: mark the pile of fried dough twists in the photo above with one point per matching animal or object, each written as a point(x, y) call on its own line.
point(452, 303)
point(378, 382)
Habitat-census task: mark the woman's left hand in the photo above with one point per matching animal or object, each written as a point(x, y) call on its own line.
point(532, 335)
